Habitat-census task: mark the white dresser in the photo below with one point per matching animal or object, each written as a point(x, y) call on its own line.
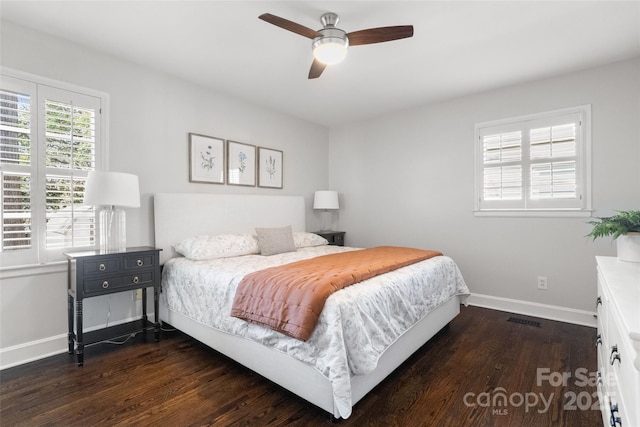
point(618, 341)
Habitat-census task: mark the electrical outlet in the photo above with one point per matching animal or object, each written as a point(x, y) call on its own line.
point(542, 283)
point(138, 294)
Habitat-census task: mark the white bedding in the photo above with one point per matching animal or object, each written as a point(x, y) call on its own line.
point(357, 323)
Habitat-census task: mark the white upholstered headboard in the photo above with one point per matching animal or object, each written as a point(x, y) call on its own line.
point(178, 216)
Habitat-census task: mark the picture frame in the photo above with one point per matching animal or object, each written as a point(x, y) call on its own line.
point(206, 159)
point(241, 164)
point(270, 168)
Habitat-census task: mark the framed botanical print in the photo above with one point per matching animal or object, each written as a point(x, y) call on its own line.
point(270, 164)
point(241, 164)
point(206, 155)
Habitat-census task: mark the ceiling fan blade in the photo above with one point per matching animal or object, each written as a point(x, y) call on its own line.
point(289, 25)
point(379, 35)
point(317, 68)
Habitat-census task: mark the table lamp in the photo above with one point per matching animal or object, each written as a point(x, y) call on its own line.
point(326, 200)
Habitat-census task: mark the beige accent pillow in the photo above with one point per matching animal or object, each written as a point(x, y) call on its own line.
point(274, 241)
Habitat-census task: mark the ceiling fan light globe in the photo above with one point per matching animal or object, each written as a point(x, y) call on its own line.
point(330, 50)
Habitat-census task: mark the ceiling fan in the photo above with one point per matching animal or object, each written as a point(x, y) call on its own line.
point(330, 43)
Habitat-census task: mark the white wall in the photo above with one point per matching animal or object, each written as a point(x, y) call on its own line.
point(150, 117)
point(408, 179)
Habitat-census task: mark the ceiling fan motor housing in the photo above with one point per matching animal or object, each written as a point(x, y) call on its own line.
point(329, 19)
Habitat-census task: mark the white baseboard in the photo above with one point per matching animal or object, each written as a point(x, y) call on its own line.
point(33, 350)
point(545, 311)
point(39, 349)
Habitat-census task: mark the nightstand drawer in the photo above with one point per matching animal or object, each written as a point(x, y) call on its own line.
point(99, 285)
point(131, 280)
point(333, 237)
point(139, 261)
point(140, 278)
point(100, 266)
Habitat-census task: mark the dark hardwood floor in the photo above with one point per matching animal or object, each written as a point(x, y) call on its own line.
point(482, 370)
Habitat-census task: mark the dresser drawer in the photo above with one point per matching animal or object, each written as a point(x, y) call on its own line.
point(134, 281)
point(602, 308)
point(620, 360)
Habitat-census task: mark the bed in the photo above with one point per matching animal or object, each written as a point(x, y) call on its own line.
point(336, 367)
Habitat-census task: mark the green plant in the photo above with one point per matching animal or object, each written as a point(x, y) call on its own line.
point(622, 223)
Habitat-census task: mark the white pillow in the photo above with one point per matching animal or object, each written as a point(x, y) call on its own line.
point(274, 241)
point(218, 246)
point(303, 239)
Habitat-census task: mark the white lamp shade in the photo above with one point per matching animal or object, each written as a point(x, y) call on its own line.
point(112, 189)
point(326, 200)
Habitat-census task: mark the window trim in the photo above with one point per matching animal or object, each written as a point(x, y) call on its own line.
point(42, 255)
point(583, 172)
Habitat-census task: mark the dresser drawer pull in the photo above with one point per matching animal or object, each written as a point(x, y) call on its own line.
point(615, 355)
point(105, 284)
point(136, 280)
point(598, 302)
point(102, 267)
point(613, 420)
point(140, 263)
point(598, 340)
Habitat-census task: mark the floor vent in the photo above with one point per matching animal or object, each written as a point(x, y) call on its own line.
point(524, 321)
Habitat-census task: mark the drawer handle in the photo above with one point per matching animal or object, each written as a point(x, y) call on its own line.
point(140, 263)
point(105, 284)
point(615, 355)
point(598, 340)
point(613, 420)
point(136, 280)
point(598, 302)
point(102, 267)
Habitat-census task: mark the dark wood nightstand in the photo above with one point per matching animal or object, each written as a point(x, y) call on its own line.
point(92, 273)
point(335, 238)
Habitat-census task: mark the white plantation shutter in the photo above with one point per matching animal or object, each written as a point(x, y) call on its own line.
point(70, 138)
point(16, 212)
point(502, 173)
point(553, 161)
point(18, 165)
point(50, 141)
point(534, 163)
point(69, 223)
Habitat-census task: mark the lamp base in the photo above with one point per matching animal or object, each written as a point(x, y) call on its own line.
point(113, 230)
point(326, 221)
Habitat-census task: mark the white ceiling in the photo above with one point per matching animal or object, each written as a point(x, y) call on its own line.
point(458, 47)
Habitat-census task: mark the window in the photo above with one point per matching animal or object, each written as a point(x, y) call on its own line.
point(50, 138)
point(534, 165)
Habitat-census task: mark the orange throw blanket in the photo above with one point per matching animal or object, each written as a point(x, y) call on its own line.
point(289, 298)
